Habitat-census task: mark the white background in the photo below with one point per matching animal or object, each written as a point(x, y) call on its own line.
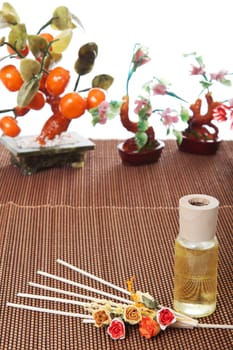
point(169, 28)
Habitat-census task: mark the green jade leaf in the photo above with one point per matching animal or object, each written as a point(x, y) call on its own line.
point(206, 84)
point(141, 139)
point(18, 36)
point(142, 125)
point(178, 136)
point(113, 109)
point(226, 82)
point(86, 58)
point(149, 301)
point(29, 68)
point(37, 45)
point(102, 81)
point(27, 92)
point(62, 41)
point(62, 19)
point(8, 15)
point(184, 114)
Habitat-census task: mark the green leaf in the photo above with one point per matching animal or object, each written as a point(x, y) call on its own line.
point(178, 135)
point(226, 82)
point(142, 125)
point(37, 45)
point(62, 19)
point(27, 92)
point(62, 41)
point(29, 68)
point(18, 36)
point(8, 15)
point(113, 109)
point(86, 58)
point(102, 81)
point(206, 84)
point(149, 301)
point(184, 114)
point(95, 120)
point(141, 139)
point(199, 59)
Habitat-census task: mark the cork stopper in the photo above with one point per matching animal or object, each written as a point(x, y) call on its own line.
point(198, 215)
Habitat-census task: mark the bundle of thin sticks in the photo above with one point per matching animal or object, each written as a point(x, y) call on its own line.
point(91, 303)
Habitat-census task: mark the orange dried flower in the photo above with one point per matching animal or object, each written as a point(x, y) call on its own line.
point(148, 327)
point(101, 317)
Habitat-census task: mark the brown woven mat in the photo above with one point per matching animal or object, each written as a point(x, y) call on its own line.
point(104, 181)
point(112, 243)
point(114, 221)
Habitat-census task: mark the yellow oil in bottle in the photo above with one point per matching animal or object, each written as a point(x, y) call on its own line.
point(195, 277)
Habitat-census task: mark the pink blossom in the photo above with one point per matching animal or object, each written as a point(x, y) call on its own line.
point(103, 107)
point(168, 117)
point(159, 89)
point(102, 120)
point(218, 76)
point(143, 103)
point(140, 57)
point(197, 70)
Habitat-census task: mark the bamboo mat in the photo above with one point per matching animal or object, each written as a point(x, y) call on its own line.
point(114, 221)
point(104, 181)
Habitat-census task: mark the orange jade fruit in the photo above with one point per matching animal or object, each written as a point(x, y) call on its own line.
point(95, 97)
point(57, 80)
point(11, 78)
point(72, 105)
point(9, 126)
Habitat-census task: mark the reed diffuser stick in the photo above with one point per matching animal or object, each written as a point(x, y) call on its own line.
point(83, 286)
point(91, 276)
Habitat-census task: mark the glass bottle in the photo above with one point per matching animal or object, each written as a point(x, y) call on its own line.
point(196, 256)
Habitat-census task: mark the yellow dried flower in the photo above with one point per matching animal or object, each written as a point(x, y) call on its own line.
point(132, 314)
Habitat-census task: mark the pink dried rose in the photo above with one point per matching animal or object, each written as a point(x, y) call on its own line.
point(165, 317)
point(116, 329)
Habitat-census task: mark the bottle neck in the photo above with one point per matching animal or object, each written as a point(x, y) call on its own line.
point(199, 245)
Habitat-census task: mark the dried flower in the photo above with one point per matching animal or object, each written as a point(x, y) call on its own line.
point(165, 317)
point(101, 317)
point(148, 327)
point(132, 315)
point(116, 329)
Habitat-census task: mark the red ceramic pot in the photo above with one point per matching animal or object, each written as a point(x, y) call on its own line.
point(141, 158)
point(199, 147)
